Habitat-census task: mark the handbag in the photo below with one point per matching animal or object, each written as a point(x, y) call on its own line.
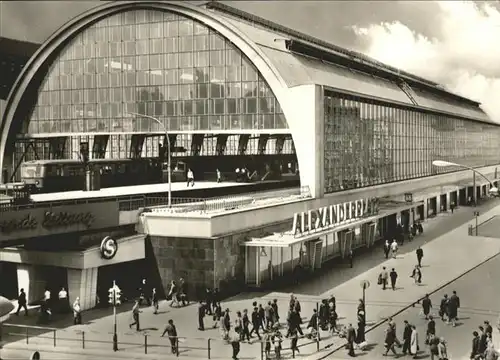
point(379, 281)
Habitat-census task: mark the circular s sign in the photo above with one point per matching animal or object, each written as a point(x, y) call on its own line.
point(109, 247)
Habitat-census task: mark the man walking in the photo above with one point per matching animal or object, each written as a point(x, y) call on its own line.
point(135, 316)
point(426, 306)
point(387, 248)
point(420, 255)
point(201, 315)
point(406, 337)
point(384, 277)
point(393, 275)
point(453, 305)
point(171, 330)
point(22, 303)
point(394, 248)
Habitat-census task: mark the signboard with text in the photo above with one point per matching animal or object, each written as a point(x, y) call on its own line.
point(43, 221)
point(331, 216)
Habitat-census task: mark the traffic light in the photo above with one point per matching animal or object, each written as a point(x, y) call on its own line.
point(118, 295)
point(111, 296)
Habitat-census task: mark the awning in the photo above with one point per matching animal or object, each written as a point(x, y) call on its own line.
point(479, 182)
point(287, 239)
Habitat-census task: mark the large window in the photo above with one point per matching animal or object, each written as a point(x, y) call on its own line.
point(157, 63)
point(369, 143)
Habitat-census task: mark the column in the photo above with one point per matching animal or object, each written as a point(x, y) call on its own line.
point(424, 215)
point(304, 111)
point(438, 204)
point(83, 284)
point(31, 279)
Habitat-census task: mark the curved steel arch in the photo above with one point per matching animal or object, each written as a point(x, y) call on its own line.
point(56, 43)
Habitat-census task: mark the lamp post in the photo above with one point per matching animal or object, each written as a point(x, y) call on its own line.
point(476, 214)
point(493, 189)
point(169, 157)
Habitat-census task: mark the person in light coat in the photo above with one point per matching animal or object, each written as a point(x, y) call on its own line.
point(77, 312)
point(414, 341)
point(442, 350)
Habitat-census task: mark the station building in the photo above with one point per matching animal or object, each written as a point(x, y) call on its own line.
point(365, 135)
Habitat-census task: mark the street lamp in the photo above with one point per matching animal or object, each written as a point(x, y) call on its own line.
point(493, 189)
point(169, 156)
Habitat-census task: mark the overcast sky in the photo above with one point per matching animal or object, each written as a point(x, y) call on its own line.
point(452, 42)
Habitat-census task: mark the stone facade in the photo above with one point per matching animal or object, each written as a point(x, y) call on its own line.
point(215, 263)
point(191, 259)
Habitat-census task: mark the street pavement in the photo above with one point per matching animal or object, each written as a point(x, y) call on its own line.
point(478, 292)
point(445, 258)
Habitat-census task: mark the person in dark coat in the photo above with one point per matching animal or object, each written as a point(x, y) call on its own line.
point(443, 307)
point(245, 323)
point(324, 313)
point(276, 315)
point(488, 329)
point(256, 323)
point(171, 331)
point(351, 338)
point(426, 306)
point(22, 303)
point(406, 337)
point(420, 255)
point(453, 304)
point(390, 340)
point(387, 249)
point(351, 258)
point(313, 322)
point(393, 275)
point(431, 330)
point(483, 343)
point(360, 333)
point(475, 345)
point(262, 317)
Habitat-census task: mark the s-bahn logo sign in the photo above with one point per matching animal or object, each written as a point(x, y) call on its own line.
point(49, 220)
point(109, 248)
point(330, 216)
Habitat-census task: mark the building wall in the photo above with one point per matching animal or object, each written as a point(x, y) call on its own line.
point(188, 258)
point(369, 143)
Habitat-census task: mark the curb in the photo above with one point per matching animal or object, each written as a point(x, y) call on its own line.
point(381, 322)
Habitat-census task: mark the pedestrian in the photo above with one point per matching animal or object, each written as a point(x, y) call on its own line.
point(383, 277)
point(488, 329)
point(351, 258)
point(442, 350)
point(226, 324)
point(171, 331)
point(255, 322)
point(217, 315)
point(434, 347)
point(22, 303)
point(245, 332)
point(155, 300)
point(209, 300)
point(394, 248)
point(452, 207)
point(276, 317)
point(482, 340)
point(190, 178)
point(491, 353)
point(277, 339)
point(475, 345)
point(183, 293)
point(63, 304)
point(453, 304)
point(298, 309)
point(393, 275)
point(387, 248)
point(443, 307)
point(294, 323)
point(431, 330)
point(268, 339)
point(268, 313)
point(313, 324)
point(416, 275)
point(414, 347)
point(360, 333)
point(294, 338)
point(201, 315)
point(426, 306)
point(135, 316)
point(390, 340)
point(173, 294)
point(456, 300)
point(420, 255)
point(406, 337)
point(77, 312)
point(351, 338)
point(219, 179)
point(262, 317)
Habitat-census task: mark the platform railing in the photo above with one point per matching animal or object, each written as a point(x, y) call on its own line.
point(125, 203)
point(225, 203)
point(204, 348)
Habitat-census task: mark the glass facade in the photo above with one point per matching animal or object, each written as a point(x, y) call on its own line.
point(370, 143)
point(154, 63)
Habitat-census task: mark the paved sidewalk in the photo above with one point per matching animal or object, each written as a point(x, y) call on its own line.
point(445, 258)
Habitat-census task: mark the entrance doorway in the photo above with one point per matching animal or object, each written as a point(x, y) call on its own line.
point(431, 207)
point(8, 280)
point(444, 205)
point(462, 198)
